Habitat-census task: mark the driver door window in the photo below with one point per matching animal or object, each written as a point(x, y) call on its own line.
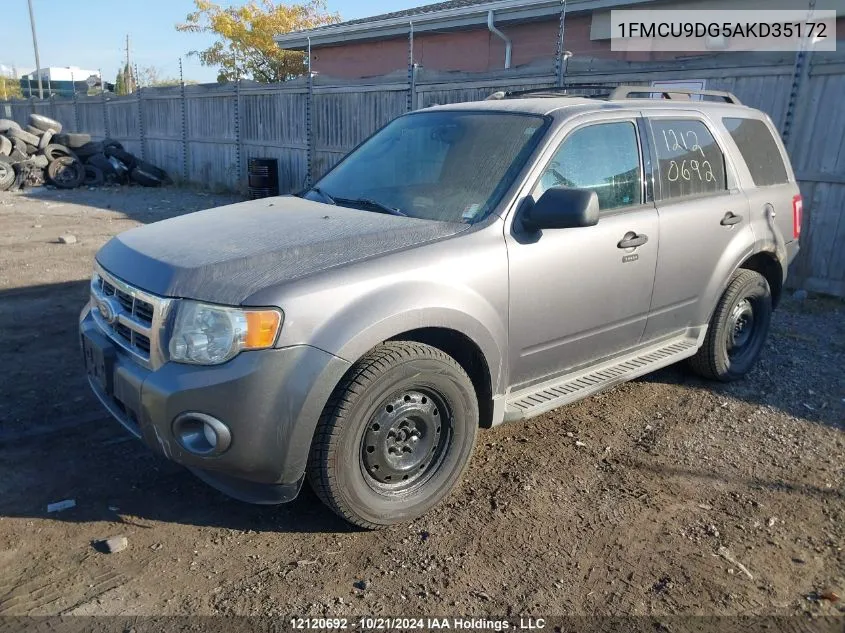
point(604, 157)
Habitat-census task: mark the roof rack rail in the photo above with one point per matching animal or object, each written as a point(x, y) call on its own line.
point(554, 91)
point(624, 92)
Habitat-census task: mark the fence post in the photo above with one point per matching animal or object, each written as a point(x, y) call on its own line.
point(412, 88)
point(560, 52)
point(75, 105)
point(800, 71)
point(105, 113)
point(139, 90)
point(184, 124)
point(309, 132)
point(238, 140)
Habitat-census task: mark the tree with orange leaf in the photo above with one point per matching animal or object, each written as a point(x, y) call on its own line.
point(245, 48)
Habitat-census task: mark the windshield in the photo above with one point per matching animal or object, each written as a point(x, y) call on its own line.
point(450, 166)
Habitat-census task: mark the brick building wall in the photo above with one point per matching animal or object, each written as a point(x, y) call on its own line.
point(471, 50)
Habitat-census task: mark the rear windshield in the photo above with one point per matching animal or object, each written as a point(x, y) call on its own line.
point(452, 166)
point(759, 150)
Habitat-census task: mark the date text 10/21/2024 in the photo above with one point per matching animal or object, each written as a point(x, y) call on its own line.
point(424, 623)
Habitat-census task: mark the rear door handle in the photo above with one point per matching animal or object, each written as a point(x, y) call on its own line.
point(632, 240)
point(730, 219)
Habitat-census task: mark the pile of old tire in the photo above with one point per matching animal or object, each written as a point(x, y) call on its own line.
point(43, 153)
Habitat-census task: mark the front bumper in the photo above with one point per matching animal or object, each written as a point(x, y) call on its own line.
point(270, 400)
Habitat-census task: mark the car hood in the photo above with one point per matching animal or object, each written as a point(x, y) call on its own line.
point(225, 255)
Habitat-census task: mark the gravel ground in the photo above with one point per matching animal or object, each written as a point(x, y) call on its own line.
point(667, 495)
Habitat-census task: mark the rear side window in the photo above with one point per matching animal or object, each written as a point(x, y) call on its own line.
point(759, 150)
point(690, 161)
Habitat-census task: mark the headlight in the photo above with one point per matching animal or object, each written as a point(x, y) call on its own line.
point(209, 335)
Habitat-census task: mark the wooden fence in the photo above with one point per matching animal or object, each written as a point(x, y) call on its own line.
point(207, 134)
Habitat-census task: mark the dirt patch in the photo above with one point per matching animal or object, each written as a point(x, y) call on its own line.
point(622, 504)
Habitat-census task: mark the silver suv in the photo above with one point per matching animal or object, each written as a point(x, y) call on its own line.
point(465, 266)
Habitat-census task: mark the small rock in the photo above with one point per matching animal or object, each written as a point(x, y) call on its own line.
point(58, 506)
point(36, 226)
point(579, 443)
point(115, 544)
point(800, 295)
point(798, 561)
point(829, 595)
point(424, 535)
point(771, 522)
point(363, 585)
point(67, 239)
point(156, 546)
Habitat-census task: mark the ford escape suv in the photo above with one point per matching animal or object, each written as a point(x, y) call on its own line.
point(465, 266)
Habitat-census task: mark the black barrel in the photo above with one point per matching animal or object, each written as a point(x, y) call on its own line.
point(263, 178)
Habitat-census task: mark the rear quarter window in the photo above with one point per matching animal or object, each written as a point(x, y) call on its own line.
point(759, 150)
point(689, 159)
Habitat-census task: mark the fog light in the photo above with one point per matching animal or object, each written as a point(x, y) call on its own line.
point(201, 434)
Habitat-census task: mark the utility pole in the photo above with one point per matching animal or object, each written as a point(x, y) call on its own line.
point(127, 79)
point(35, 46)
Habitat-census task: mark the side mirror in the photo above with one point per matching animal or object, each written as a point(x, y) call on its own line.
point(562, 208)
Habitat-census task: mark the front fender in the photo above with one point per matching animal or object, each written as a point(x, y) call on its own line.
point(387, 313)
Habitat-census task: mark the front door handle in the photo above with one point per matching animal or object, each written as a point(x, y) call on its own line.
point(632, 240)
point(730, 219)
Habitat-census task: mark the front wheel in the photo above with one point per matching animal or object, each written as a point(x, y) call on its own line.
point(738, 329)
point(396, 435)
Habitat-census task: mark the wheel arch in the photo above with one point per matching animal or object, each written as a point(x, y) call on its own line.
point(768, 265)
point(468, 355)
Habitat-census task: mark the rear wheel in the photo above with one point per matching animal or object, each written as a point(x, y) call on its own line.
point(738, 329)
point(396, 435)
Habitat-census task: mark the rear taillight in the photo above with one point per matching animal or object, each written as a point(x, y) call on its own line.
point(797, 212)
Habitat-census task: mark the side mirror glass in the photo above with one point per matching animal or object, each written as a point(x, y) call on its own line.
point(563, 208)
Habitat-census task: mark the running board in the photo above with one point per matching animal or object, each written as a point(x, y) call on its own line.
point(539, 399)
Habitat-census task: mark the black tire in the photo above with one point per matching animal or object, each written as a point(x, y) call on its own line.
point(109, 142)
point(144, 178)
point(46, 137)
point(45, 123)
point(93, 176)
point(34, 131)
point(66, 172)
point(7, 173)
point(124, 157)
point(102, 162)
point(5, 146)
point(22, 135)
point(738, 329)
point(89, 149)
point(397, 390)
point(8, 124)
point(31, 149)
point(54, 151)
point(73, 141)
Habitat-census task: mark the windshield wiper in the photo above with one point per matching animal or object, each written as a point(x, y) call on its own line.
point(323, 194)
point(373, 205)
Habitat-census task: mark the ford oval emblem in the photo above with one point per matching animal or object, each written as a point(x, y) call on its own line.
point(108, 310)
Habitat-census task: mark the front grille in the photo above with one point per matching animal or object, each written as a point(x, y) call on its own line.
point(138, 308)
point(132, 318)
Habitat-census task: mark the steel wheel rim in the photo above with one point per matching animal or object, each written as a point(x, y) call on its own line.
point(741, 328)
point(405, 440)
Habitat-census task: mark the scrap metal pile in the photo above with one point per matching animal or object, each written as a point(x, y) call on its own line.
point(42, 153)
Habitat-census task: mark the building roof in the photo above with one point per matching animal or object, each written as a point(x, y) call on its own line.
point(428, 8)
point(442, 16)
